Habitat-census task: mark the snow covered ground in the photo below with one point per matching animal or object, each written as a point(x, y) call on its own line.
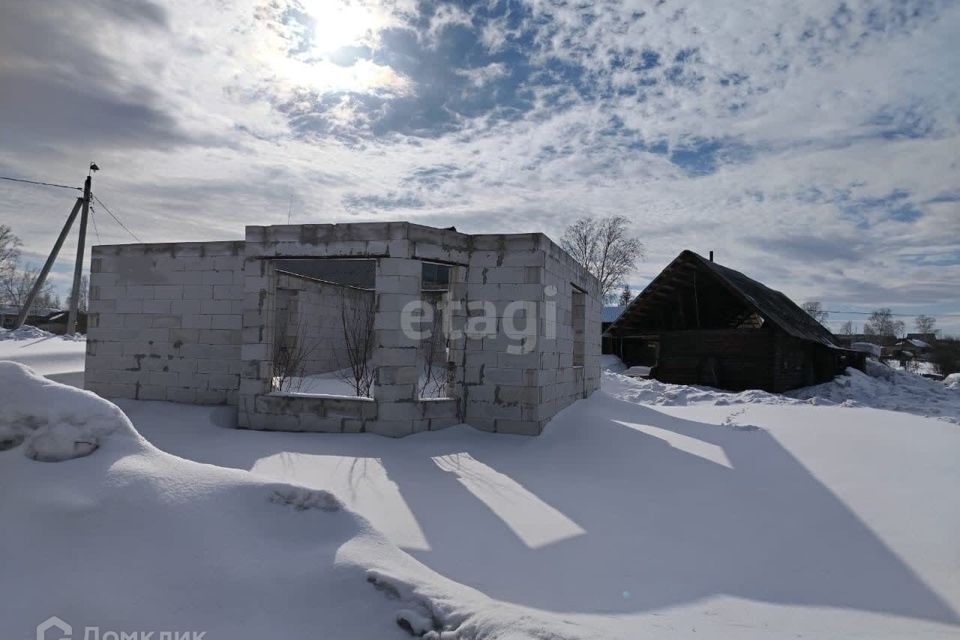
point(57, 357)
point(648, 510)
point(881, 388)
point(324, 384)
point(126, 538)
point(340, 384)
point(952, 381)
point(915, 366)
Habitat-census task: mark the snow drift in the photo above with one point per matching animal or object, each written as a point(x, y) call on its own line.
point(53, 422)
point(26, 332)
point(881, 387)
point(123, 536)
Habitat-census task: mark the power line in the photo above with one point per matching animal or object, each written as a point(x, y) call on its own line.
point(905, 315)
point(45, 184)
point(105, 208)
point(93, 219)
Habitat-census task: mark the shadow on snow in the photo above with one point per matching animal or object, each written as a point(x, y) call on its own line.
point(618, 507)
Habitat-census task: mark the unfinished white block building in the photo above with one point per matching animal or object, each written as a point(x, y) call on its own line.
point(389, 328)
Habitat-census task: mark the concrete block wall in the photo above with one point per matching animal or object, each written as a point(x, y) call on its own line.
point(519, 393)
point(195, 322)
point(571, 382)
point(164, 322)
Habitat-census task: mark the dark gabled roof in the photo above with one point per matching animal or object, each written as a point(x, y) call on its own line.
point(773, 306)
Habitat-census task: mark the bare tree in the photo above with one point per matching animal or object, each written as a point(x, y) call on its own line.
point(846, 329)
point(815, 310)
point(290, 353)
point(357, 316)
point(15, 286)
point(605, 248)
point(626, 295)
point(433, 351)
point(925, 324)
point(10, 280)
point(291, 350)
point(9, 250)
point(882, 323)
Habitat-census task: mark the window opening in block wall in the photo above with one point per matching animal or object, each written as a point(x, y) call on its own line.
point(578, 317)
point(435, 369)
point(323, 335)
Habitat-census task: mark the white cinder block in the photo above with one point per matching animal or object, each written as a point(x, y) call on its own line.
point(167, 292)
point(227, 321)
point(217, 277)
point(196, 322)
point(210, 307)
point(197, 292)
point(186, 307)
point(135, 292)
point(156, 306)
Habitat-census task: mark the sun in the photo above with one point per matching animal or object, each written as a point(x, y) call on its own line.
point(313, 65)
point(341, 23)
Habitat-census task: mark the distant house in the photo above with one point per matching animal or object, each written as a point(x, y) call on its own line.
point(869, 348)
point(37, 317)
point(871, 344)
point(702, 323)
point(915, 344)
point(884, 343)
point(909, 349)
point(56, 322)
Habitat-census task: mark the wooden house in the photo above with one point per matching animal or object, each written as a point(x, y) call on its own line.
point(702, 323)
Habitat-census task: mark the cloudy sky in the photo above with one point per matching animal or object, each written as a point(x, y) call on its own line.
point(814, 145)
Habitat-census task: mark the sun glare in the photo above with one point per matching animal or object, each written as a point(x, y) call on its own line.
point(336, 24)
point(340, 24)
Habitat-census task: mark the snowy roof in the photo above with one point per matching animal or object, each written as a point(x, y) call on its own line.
point(773, 306)
point(609, 314)
point(37, 311)
point(867, 347)
point(919, 344)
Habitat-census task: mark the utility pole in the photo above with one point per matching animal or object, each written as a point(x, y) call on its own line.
point(83, 203)
point(25, 307)
point(78, 268)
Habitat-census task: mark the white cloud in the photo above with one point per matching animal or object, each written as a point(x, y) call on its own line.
point(796, 99)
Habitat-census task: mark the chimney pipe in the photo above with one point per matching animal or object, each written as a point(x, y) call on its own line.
point(711, 256)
